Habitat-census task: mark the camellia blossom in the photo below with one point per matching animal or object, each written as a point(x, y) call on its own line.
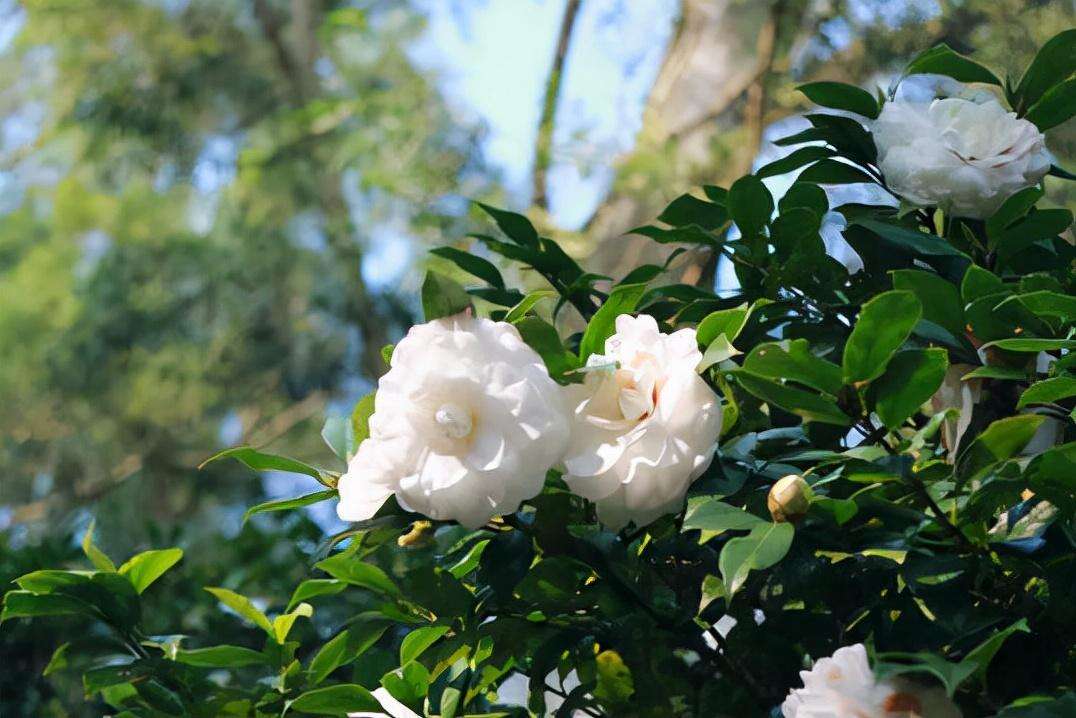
point(644, 424)
point(963, 156)
point(843, 686)
point(466, 423)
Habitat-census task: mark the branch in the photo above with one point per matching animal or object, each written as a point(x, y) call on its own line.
point(543, 151)
point(272, 27)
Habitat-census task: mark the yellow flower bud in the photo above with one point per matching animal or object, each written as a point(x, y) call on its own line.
point(789, 499)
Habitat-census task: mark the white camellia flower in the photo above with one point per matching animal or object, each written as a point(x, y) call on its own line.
point(644, 424)
point(843, 686)
point(466, 423)
point(963, 156)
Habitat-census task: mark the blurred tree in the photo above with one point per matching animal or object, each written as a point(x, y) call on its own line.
point(186, 229)
point(731, 69)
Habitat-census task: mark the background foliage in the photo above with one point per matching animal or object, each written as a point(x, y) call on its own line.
point(143, 312)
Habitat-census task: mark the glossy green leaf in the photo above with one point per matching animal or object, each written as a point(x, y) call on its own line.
point(145, 568)
point(1032, 345)
point(26, 604)
point(360, 418)
point(794, 160)
point(345, 647)
point(943, 60)
point(709, 513)
point(841, 96)
point(338, 700)
point(474, 265)
point(1054, 63)
point(259, 461)
point(242, 606)
point(313, 587)
point(602, 325)
point(442, 297)
point(283, 623)
point(528, 303)
point(221, 657)
point(542, 337)
point(1002, 440)
point(417, 641)
point(763, 547)
point(97, 556)
point(353, 570)
point(750, 205)
point(831, 171)
point(688, 210)
point(884, 323)
point(289, 504)
point(1050, 390)
point(1057, 105)
point(793, 360)
point(939, 298)
point(805, 404)
point(909, 381)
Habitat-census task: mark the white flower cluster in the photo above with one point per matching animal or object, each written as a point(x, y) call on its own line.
point(468, 421)
point(843, 686)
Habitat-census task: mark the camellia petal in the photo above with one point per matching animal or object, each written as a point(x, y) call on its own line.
point(466, 423)
point(644, 424)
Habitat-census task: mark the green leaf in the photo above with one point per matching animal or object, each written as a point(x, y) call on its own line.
point(842, 510)
point(313, 587)
point(884, 323)
point(26, 604)
point(1055, 62)
point(542, 337)
point(807, 405)
point(282, 624)
point(1010, 211)
point(839, 96)
point(911, 241)
point(1000, 441)
point(528, 303)
point(344, 648)
point(979, 283)
point(909, 381)
point(622, 300)
point(243, 606)
point(110, 594)
point(517, 227)
point(950, 674)
point(97, 556)
point(709, 513)
point(417, 641)
point(288, 504)
point(145, 568)
point(259, 461)
point(1049, 304)
point(1057, 105)
point(806, 196)
point(724, 321)
point(688, 210)
point(97, 679)
point(1032, 345)
point(980, 656)
point(336, 700)
point(473, 265)
point(719, 350)
point(794, 160)
point(750, 204)
point(943, 60)
point(442, 297)
point(831, 171)
point(354, 571)
point(939, 298)
point(1038, 225)
point(360, 418)
point(763, 547)
point(1050, 390)
point(615, 682)
point(793, 360)
point(221, 657)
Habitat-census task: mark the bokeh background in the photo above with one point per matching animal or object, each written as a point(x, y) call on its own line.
point(214, 213)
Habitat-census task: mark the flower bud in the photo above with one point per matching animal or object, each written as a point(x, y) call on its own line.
point(789, 499)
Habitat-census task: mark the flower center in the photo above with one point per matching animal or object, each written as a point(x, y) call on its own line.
point(903, 703)
point(453, 421)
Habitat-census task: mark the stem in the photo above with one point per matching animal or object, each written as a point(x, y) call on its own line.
point(940, 517)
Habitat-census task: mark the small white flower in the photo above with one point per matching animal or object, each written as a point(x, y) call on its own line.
point(466, 423)
point(843, 686)
point(963, 156)
point(645, 424)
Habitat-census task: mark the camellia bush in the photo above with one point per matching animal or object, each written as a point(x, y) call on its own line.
point(836, 493)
